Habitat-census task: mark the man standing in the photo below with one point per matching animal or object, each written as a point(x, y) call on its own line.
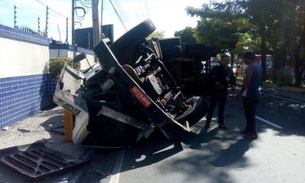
point(222, 77)
point(250, 93)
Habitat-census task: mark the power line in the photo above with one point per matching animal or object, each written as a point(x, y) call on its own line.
point(122, 22)
point(134, 7)
point(52, 10)
point(85, 3)
point(141, 9)
point(123, 15)
point(147, 13)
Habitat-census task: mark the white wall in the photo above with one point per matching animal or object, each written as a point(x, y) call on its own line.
point(20, 58)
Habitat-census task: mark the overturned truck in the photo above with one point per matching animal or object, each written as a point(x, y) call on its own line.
point(126, 95)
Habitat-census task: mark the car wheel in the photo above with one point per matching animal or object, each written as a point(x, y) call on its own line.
point(132, 37)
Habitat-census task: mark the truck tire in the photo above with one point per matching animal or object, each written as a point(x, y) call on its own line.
point(196, 112)
point(132, 37)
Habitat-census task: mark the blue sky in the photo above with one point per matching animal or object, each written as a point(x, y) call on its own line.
point(168, 15)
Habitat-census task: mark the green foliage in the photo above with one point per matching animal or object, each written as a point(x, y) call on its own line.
point(282, 78)
point(157, 34)
point(56, 65)
point(221, 25)
point(272, 26)
point(187, 35)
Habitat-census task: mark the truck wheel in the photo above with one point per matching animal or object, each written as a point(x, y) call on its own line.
point(198, 109)
point(132, 37)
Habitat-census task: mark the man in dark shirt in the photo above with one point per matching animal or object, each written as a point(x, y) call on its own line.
point(222, 77)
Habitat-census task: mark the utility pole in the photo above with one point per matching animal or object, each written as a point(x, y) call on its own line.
point(101, 25)
point(67, 31)
point(72, 24)
point(47, 22)
point(95, 23)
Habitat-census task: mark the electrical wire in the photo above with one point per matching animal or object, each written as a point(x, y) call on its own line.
point(120, 18)
point(80, 17)
point(53, 10)
point(133, 5)
point(122, 13)
point(85, 3)
point(147, 13)
point(141, 9)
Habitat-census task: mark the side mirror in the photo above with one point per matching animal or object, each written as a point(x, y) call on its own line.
point(79, 57)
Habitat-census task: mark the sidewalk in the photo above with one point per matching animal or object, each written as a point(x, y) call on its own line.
point(45, 128)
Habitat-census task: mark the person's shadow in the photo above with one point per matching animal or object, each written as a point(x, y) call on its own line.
point(233, 154)
point(204, 136)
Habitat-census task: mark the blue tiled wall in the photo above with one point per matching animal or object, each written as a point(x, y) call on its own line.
point(22, 96)
point(70, 48)
point(16, 34)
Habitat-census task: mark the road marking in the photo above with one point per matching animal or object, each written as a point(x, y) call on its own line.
point(268, 122)
point(291, 100)
point(117, 168)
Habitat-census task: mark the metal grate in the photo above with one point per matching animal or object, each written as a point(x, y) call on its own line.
point(40, 162)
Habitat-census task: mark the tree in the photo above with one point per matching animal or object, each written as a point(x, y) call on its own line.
point(221, 24)
point(273, 26)
point(264, 16)
point(296, 37)
point(157, 34)
point(187, 35)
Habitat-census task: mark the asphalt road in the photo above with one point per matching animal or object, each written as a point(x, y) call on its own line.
point(210, 156)
point(223, 156)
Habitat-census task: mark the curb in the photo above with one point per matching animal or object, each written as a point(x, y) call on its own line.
point(300, 97)
point(281, 92)
point(284, 88)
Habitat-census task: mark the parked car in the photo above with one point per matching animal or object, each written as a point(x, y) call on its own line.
point(126, 95)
